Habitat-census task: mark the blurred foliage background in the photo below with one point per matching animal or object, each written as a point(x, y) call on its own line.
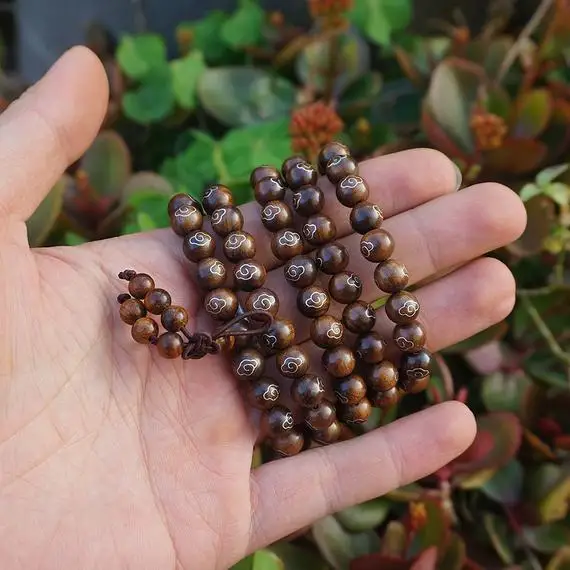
point(247, 87)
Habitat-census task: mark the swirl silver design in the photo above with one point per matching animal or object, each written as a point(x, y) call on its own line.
point(270, 212)
point(247, 367)
point(366, 248)
point(296, 199)
point(417, 373)
point(264, 302)
point(217, 216)
point(335, 160)
point(209, 191)
point(235, 241)
point(370, 312)
point(289, 238)
point(305, 166)
point(341, 397)
point(200, 239)
point(309, 230)
point(246, 271)
point(185, 212)
point(294, 272)
point(409, 309)
point(351, 182)
point(271, 394)
point(216, 305)
point(318, 262)
point(270, 340)
point(404, 343)
point(335, 331)
point(316, 300)
point(218, 269)
point(291, 364)
point(288, 421)
point(378, 210)
point(354, 281)
point(356, 421)
point(320, 386)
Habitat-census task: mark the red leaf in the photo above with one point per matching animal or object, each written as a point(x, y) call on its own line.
point(427, 560)
point(378, 561)
point(516, 156)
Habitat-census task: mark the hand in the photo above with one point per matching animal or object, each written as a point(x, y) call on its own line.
point(113, 458)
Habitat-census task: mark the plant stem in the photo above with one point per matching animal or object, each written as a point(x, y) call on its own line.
point(559, 267)
point(332, 71)
point(139, 16)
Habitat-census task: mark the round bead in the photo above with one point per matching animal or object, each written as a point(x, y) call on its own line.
point(263, 393)
point(391, 276)
point(308, 201)
point(286, 244)
point(269, 189)
point(377, 245)
point(174, 318)
point(249, 275)
point(181, 200)
point(384, 400)
point(157, 300)
point(350, 390)
point(321, 417)
point(339, 167)
point(288, 444)
point(276, 215)
point(402, 308)
point(239, 246)
point(144, 330)
point(339, 361)
point(140, 285)
point(356, 413)
point(131, 311)
point(216, 196)
point(301, 271)
point(290, 162)
point(278, 336)
point(328, 152)
point(277, 421)
point(313, 301)
point(262, 172)
point(410, 337)
point(300, 174)
point(308, 390)
point(414, 368)
point(226, 220)
point(329, 434)
point(170, 345)
point(198, 245)
point(221, 304)
point(370, 347)
point(327, 332)
point(248, 364)
point(359, 317)
point(332, 258)
point(262, 299)
point(292, 362)
point(319, 229)
point(382, 376)
point(186, 219)
point(345, 287)
point(210, 273)
point(351, 190)
point(365, 217)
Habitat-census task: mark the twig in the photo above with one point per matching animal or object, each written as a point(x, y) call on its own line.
point(140, 18)
point(526, 33)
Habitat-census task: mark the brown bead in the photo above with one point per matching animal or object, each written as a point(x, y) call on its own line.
point(144, 330)
point(216, 196)
point(414, 369)
point(350, 390)
point(293, 362)
point(365, 217)
point(345, 287)
point(226, 343)
point(239, 246)
point(410, 337)
point(313, 301)
point(321, 417)
point(352, 190)
point(319, 229)
point(286, 244)
point(332, 258)
point(339, 361)
point(249, 275)
point(198, 245)
point(269, 189)
point(174, 318)
point(308, 201)
point(356, 413)
point(278, 336)
point(340, 167)
point(301, 271)
point(370, 347)
point(359, 317)
point(382, 376)
point(327, 332)
point(170, 345)
point(290, 162)
point(248, 364)
point(300, 174)
point(289, 444)
point(262, 172)
point(391, 276)
point(157, 300)
point(402, 308)
point(140, 285)
point(186, 219)
point(277, 421)
point(262, 299)
point(377, 245)
point(221, 304)
point(181, 200)
point(263, 393)
point(131, 311)
point(226, 220)
point(384, 400)
point(210, 273)
point(329, 434)
point(308, 390)
point(276, 215)
point(328, 152)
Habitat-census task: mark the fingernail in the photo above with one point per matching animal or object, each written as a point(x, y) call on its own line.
point(458, 177)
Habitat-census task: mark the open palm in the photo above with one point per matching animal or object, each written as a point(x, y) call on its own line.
point(113, 458)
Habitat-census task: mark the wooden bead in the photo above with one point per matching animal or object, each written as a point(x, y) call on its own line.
point(308, 201)
point(350, 390)
point(328, 152)
point(174, 318)
point(140, 285)
point(181, 200)
point(157, 300)
point(391, 276)
point(249, 275)
point(356, 413)
point(329, 435)
point(226, 220)
point(216, 196)
point(384, 400)
point(226, 343)
point(248, 364)
point(278, 336)
point(290, 162)
point(313, 301)
point(170, 345)
point(327, 332)
point(263, 393)
point(277, 421)
point(340, 167)
point(301, 271)
point(332, 258)
point(308, 390)
point(198, 245)
point(186, 219)
point(269, 189)
point(377, 245)
point(319, 229)
point(345, 287)
point(293, 362)
point(286, 244)
point(370, 347)
point(410, 337)
point(276, 215)
point(352, 190)
point(261, 173)
point(339, 361)
point(131, 311)
point(289, 444)
point(262, 299)
point(221, 304)
point(238, 246)
point(365, 217)
point(359, 317)
point(210, 273)
point(144, 330)
point(300, 174)
point(321, 417)
point(382, 376)
point(414, 369)
point(402, 308)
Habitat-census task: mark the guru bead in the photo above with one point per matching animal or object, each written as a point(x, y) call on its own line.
point(415, 370)
point(339, 361)
point(278, 336)
point(328, 152)
point(370, 347)
point(345, 287)
point(181, 200)
point(286, 244)
point(365, 217)
point(263, 393)
point(263, 299)
point(391, 276)
point(327, 331)
point(359, 317)
point(144, 330)
point(269, 189)
point(321, 417)
point(277, 421)
point(174, 318)
point(402, 308)
point(288, 444)
point(319, 229)
point(226, 220)
point(157, 300)
point(210, 273)
point(308, 390)
point(332, 258)
point(140, 285)
point(221, 304)
point(308, 201)
point(352, 190)
point(216, 196)
point(301, 271)
point(313, 301)
point(300, 174)
point(339, 167)
point(198, 245)
point(384, 400)
point(131, 311)
point(276, 215)
point(249, 275)
point(262, 172)
point(350, 390)
point(170, 345)
point(410, 337)
point(292, 362)
point(382, 376)
point(248, 364)
point(238, 246)
point(356, 413)
point(328, 435)
point(186, 219)
point(377, 245)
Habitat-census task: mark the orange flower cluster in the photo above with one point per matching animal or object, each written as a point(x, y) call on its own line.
point(490, 130)
point(313, 126)
point(328, 8)
point(418, 515)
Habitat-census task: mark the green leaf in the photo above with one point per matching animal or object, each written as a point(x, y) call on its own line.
point(548, 488)
point(298, 558)
point(245, 26)
point(43, 220)
point(454, 555)
point(151, 209)
point(546, 176)
point(500, 537)
point(185, 75)
point(145, 222)
point(260, 560)
point(434, 532)
point(71, 238)
point(506, 484)
point(365, 516)
point(379, 19)
point(547, 538)
point(147, 182)
point(206, 36)
point(534, 110)
point(139, 55)
point(529, 191)
point(502, 392)
point(558, 192)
